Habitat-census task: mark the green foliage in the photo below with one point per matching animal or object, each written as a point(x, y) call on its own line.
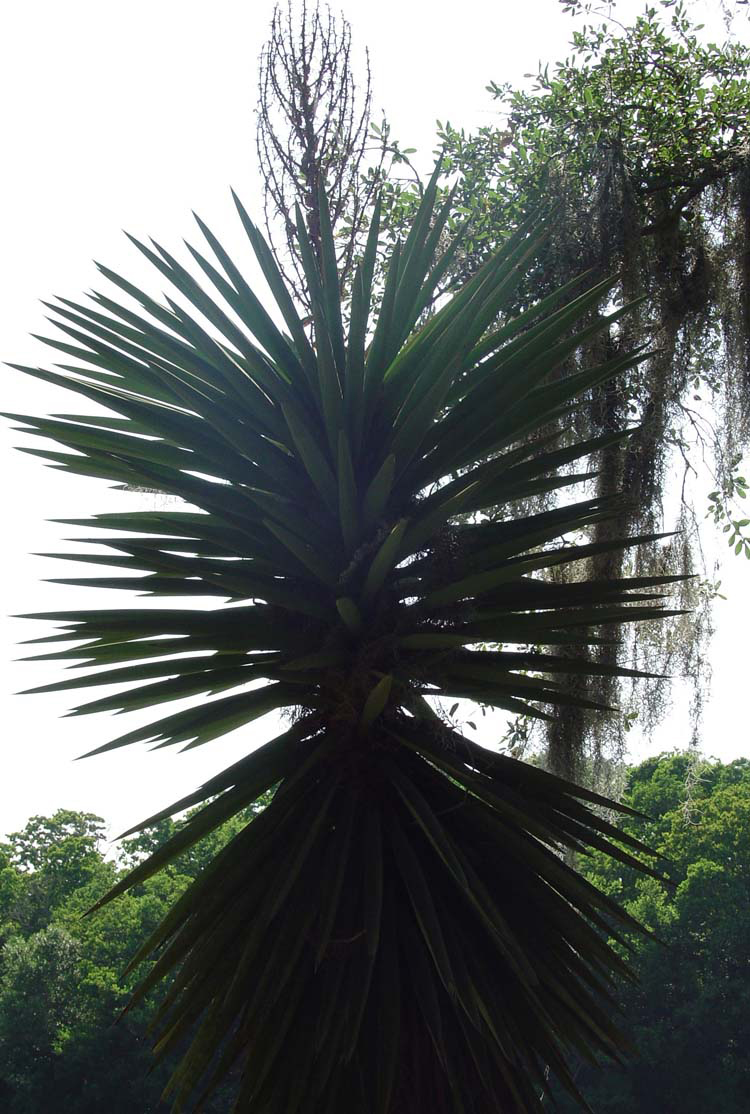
point(59, 1048)
point(691, 1005)
point(63, 1044)
point(723, 505)
point(671, 108)
point(650, 105)
point(53, 844)
point(49, 859)
point(640, 138)
point(38, 1006)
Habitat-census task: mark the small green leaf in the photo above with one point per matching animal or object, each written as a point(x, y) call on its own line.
point(384, 560)
point(348, 495)
point(376, 701)
point(378, 492)
point(350, 614)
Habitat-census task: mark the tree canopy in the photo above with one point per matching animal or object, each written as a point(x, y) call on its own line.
point(691, 1004)
point(640, 140)
point(63, 1041)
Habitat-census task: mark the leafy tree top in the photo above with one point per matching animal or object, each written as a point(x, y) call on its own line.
point(641, 136)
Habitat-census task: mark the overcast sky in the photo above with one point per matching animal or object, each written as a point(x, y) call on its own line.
point(129, 115)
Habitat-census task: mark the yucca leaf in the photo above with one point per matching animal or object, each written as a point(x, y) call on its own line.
point(449, 332)
point(305, 554)
point(378, 492)
point(198, 725)
point(418, 892)
point(425, 988)
point(142, 672)
point(262, 768)
point(286, 879)
point(520, 322)
point(209, 819)
point(428, 822)
point(373, 861)
point(329, 384)
point(417, 255)
point(384, 560)
point(359, 317)
point(388, 991)
point(251, 310)
point(378, 353)
point(348, 501)
point(312, 457)
point(336, 867)
point(350, 614)
point(354, 372)
point(376, 702)
point(278, 288)
point(247, 850)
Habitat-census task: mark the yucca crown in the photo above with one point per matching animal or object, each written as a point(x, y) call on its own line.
point(397, 931)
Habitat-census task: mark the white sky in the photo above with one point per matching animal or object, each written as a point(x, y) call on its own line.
point(128, 116)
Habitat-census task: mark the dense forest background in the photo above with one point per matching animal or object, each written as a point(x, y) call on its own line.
point(62, 986)
point(63, 1042)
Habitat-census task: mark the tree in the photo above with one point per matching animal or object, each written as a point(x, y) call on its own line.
point(691, 1001)
point(403, 896)
point(641, 137)
point(62, 987)
point(37, 1009)
point(51, 858)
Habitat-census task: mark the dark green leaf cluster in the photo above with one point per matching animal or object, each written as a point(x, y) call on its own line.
point(399, 928)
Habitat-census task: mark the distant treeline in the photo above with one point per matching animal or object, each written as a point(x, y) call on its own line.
point(62, 989)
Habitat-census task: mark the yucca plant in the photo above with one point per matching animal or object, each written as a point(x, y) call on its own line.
point(399, 930)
